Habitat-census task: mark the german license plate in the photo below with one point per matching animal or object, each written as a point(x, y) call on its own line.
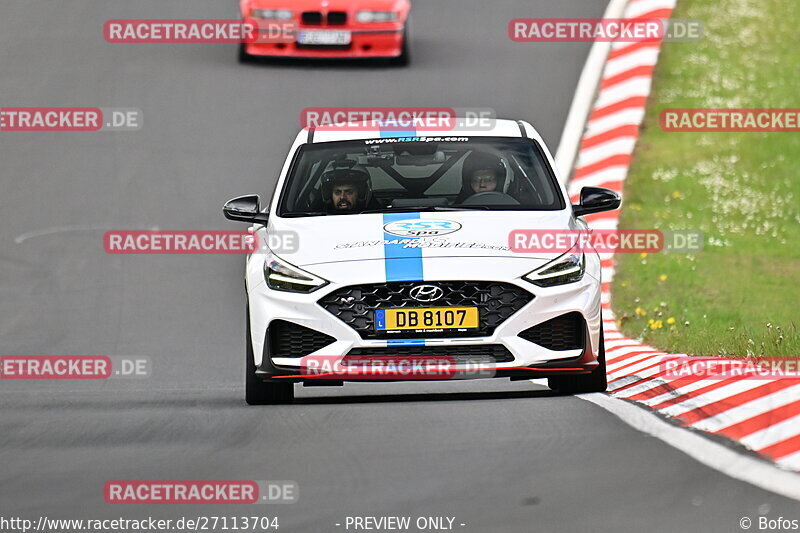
point(324, 37)
point(426, 318)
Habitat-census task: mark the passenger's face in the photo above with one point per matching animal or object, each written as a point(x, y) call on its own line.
point(344, 197)
point(483, 181)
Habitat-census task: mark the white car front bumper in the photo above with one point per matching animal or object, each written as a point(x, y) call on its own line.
point(583, 297)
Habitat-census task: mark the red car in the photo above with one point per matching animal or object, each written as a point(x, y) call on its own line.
point(331, 28)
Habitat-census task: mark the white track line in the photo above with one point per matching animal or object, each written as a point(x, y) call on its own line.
point(613, 367)
point(626, 379)
point(614, 147)
point(646, 57)
point(644, 387)
point(790, 461)
point(708, 452)
point(772, 434)
point(595, 179)
point(748, 410)
point(638, 8)
point(689, 387)
point(639, 365)
point(622, 341)
point(623, 91)
point(711, 397)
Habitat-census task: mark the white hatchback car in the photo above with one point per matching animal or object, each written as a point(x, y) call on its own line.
point(403, 252)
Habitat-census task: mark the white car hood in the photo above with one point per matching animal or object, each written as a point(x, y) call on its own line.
point(344, 238)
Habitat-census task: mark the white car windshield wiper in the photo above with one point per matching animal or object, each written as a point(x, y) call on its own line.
point(297, 214)
point(424, 208)
point(461, 208)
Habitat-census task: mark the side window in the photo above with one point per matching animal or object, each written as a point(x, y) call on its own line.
point(303, 194)
point(544, 190)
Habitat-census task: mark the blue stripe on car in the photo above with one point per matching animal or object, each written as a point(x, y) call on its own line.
point(400, 263)
point(388, 132)
point(406, 342)
point(385, 134)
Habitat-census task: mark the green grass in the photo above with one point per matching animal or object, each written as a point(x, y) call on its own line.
point(740, 296)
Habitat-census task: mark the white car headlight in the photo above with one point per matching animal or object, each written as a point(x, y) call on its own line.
point(282, 276)
point(564, 269)
point(275, 14)
point(376, 16)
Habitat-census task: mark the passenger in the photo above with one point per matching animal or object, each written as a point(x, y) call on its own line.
point(481, 172)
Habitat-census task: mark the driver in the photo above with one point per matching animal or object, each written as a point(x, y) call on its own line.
point(346, 190)
point(481, 172)
point(344, 195)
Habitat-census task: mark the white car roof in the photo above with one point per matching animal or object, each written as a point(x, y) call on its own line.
point(362, 130)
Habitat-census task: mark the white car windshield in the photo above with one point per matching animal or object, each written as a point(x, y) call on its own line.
point(409, 174)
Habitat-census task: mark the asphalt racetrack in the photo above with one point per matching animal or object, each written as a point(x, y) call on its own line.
point(497, 456)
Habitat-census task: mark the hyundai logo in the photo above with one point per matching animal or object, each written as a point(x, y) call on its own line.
point(426, 293)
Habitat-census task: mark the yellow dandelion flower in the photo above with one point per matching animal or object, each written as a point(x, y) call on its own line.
point(640, 312)
point(671, 320)
point(643, 255)
point(662, 277)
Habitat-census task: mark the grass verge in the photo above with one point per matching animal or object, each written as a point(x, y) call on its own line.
point(740, 296)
